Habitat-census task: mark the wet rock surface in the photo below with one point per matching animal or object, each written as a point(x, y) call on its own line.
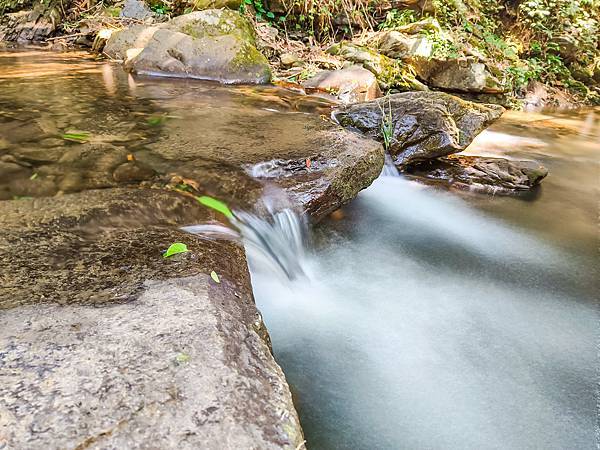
point(108, 344)
point(424, 125)
point(214, 44)
point(349, 85)
point(482, 174)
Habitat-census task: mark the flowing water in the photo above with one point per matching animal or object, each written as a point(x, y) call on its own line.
point(452, 320)
point(419, 318)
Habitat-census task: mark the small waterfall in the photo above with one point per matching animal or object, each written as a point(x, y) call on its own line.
point(278, 240)
point(389, 168)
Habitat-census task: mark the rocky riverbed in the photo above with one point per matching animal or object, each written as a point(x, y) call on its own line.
point(106, 342)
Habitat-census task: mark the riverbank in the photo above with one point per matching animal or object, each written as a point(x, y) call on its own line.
point(506, 54)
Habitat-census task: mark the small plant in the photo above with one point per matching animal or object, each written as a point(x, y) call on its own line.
point(260, 10)
point(387, 124)
point(396, 18)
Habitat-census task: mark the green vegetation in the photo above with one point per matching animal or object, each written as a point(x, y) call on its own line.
point(175, 249)
point(555, 42)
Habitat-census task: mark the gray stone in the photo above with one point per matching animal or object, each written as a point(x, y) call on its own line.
point(136, 9)
point(215, 44)
point(114, 346)
point(482, 174)
point(350, 85)
point(461, 75)
point(424, 125)
point(395, 44)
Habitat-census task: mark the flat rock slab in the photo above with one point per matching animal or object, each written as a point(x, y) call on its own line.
point(482, 174)
point(422, 125)
point(106, 344)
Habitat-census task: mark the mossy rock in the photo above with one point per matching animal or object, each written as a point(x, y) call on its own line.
point(424, 125)
point(391, 73)
point(213, 45)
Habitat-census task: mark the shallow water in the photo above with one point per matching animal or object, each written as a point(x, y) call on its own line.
point(445, 320)
point(429, 319)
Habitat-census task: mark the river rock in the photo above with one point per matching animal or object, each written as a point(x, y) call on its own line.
point(350, 85)
point(389, 72)
point(425, 125)
point(133, 171)
point(457, 74)
point(136, 9)
point(32, 25)
point(395, 44)
point(490, 175)
point(214, 44)
point(106, 344)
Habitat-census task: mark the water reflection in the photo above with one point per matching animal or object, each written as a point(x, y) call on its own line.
point(70, 123)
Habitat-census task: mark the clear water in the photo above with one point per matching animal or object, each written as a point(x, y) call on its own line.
point(451, 320)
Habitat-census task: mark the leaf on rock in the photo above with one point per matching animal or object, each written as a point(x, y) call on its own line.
point(215, 277)
point(76, 137)
point(175, 249)
point(217, 205)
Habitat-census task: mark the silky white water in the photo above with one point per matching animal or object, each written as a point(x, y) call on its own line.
point(428, 322)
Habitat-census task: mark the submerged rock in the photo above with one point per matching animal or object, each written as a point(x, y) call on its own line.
point(107, 344)
point(350, 85)
point(214, 44)
point(490, 175)
point(424, 125)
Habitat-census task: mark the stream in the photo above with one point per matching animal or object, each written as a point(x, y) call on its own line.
point(447, 320)
point(425, 318)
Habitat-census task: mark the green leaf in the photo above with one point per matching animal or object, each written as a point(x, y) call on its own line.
point(182, 358)
point(270, 15)
point(76, 137)
point(215, 277)
point(215, 204)
point(175, 248)
point(155, 120)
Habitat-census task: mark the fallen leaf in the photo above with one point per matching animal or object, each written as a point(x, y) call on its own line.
point(175, 249)
point(215, 277)
point(217, 205)
point(130, 157)
point(308, 162)
point(33, 177)
point(182, 358)
point(76, 137)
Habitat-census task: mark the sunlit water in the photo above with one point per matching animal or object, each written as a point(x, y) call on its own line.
point(451, 320)
point(426, 319)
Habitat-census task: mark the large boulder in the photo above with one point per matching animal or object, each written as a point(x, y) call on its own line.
point(214, 44)
point(424, 125)
point(106, 344)
point(457, 74)
point(349, 85)
point(32, 25)
point(483, 174)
